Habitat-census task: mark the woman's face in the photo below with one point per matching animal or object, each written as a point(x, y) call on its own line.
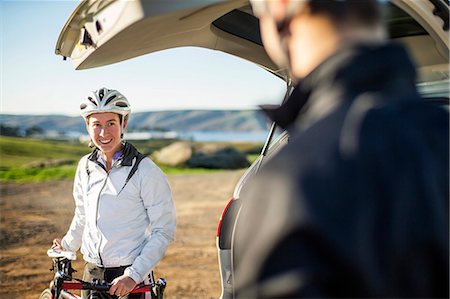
point(105, 130)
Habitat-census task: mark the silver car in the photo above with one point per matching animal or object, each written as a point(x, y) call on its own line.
point(99, 33)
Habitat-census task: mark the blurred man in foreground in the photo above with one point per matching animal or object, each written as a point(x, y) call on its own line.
point(356, 205)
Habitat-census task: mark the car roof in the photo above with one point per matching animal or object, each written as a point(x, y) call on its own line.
point(99, 33)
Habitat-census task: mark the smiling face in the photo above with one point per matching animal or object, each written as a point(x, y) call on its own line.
point(105, 130)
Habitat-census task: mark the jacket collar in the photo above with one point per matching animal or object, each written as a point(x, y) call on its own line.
point(349, 72)
point(129, 152)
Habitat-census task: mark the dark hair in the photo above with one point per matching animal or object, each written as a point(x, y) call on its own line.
point(121, 118)
point(363, 12)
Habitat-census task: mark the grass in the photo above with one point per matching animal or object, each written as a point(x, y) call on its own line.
point(185, 170)
point(252, 157)
point(67, 172)
point(19, 156)
point(18, 152)
point(22, 175)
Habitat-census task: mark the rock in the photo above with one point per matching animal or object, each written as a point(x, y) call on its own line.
point(224, 158)
point(181, 154)
point(176, 154)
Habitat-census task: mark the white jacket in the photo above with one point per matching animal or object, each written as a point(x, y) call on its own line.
point(118, 223)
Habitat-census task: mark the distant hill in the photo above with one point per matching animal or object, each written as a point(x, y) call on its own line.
point(179, 120)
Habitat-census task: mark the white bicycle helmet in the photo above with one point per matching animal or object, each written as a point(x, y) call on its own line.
point(105, 100)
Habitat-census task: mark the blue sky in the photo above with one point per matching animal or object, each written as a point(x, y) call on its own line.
point(36, 81)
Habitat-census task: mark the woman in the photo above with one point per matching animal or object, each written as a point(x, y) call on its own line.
point(124, 217)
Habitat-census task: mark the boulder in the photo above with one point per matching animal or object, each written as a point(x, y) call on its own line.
point(224, 158)
point(184, 154)
point(176, 154)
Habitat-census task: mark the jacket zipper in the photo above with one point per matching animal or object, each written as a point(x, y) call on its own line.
point(97, 209)
point(96, 219)
point(98, 204)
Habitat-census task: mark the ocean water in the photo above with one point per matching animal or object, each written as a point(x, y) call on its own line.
point(202, 136)
point(224, 136)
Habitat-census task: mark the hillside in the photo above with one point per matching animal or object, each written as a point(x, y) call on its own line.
point(179, 120)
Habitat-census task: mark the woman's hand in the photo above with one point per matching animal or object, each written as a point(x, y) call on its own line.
point(122, 286)
point(57, 244)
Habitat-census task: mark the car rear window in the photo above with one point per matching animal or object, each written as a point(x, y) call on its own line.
point(240, 24)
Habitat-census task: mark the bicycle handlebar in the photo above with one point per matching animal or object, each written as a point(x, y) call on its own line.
point(95, 285)
point(63, 277)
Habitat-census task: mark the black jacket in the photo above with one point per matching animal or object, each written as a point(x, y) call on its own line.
point(357, 203)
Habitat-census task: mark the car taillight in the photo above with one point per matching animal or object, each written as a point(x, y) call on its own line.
point(219, 227)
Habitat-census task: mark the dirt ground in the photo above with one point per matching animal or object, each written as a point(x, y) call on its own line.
point(33, 214)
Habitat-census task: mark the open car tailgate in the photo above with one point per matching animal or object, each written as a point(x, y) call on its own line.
point(103, 32)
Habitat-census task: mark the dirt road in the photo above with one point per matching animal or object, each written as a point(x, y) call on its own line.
point(33, 214)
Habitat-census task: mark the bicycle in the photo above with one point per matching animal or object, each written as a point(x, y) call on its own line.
point(63, 281)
